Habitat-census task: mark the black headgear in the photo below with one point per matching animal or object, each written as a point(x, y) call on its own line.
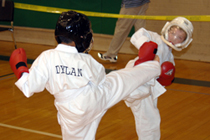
point(76, 27)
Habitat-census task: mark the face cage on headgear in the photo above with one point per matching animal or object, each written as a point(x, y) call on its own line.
point(183, 23)
point(76, 27)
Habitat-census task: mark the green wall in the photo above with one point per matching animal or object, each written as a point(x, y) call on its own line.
point(27, 18)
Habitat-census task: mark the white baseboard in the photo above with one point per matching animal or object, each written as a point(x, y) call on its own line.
point(46, 37)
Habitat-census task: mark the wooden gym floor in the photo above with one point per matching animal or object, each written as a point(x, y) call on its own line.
point(184, 108)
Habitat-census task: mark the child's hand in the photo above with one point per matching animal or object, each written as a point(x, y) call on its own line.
point(166, 77)
point(18, 62)
point(147, 52)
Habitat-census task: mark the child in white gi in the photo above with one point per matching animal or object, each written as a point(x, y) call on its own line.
point(176, 34)
point(82, 90)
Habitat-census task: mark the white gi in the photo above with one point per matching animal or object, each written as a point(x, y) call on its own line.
point(143, 101)
point(82, 90)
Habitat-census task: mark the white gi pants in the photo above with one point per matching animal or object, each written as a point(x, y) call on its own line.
point(147, 118)
point(143, 104)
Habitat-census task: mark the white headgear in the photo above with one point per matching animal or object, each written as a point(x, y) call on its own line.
point(183, 23)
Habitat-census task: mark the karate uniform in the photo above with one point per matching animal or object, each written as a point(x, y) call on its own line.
point(82, 90)
point(143, 101)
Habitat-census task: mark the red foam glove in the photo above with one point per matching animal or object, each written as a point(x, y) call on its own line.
point(18, 62)
point(147, 52)
point(166, 77)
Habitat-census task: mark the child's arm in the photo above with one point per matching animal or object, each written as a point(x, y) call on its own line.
point(140, 37)
point(28, 82)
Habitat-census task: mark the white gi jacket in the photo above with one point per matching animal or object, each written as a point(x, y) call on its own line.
point(82, 90)
point(143, 101)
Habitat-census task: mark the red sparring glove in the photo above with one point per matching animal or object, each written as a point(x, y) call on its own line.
point(18, 62)
point(166, 77)
point(147, 52)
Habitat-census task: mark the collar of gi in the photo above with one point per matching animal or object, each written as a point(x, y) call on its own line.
point(66, 48)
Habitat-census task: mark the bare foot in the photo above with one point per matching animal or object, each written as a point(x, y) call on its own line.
point(157, 58)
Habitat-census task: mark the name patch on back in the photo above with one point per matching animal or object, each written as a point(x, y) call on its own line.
point(61, 69)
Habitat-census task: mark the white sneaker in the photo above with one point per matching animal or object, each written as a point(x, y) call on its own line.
point(105, 58)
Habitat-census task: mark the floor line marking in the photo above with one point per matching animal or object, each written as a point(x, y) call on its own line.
point(187, 91)
point(30, 130)
point(6, 77)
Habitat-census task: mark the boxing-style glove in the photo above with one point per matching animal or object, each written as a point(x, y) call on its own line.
point(18, 62)
point(166, 77)
point(146, 52)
